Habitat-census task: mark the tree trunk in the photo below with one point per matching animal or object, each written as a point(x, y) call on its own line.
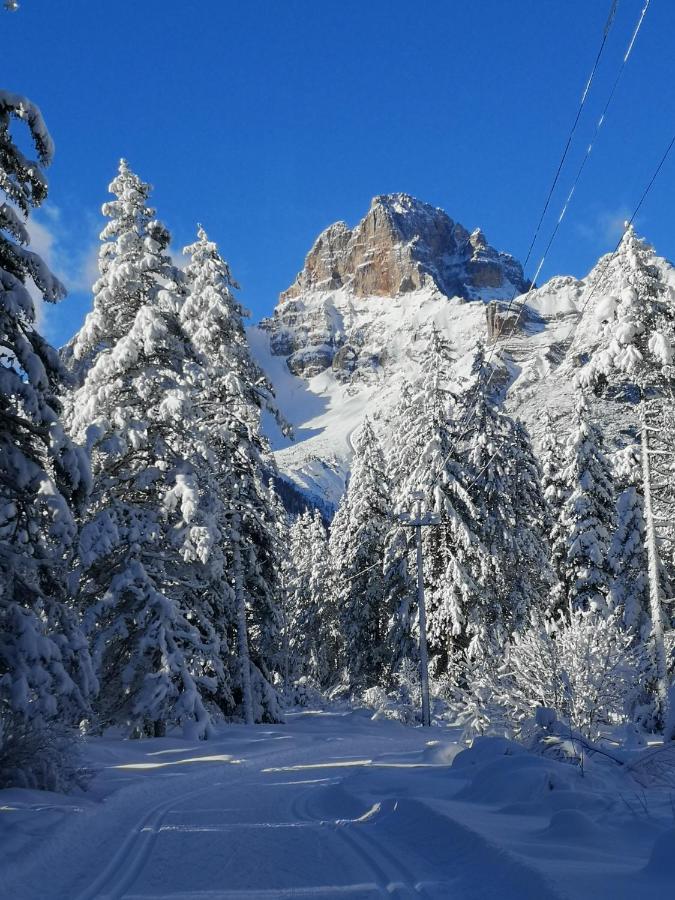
point(242, 628)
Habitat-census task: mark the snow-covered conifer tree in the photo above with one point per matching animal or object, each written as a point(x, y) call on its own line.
point(405, 437)
point(506, 489)
point(150, 547)
point(44, 662)
point(133, 261)
point(634, 361)
point(636, 346)
point(357, 543)
point(555, 491)
point(551, 458)
point(627, 553)
point(313, 625)
point(231, 396)
point(586, 520)
point(455, 560)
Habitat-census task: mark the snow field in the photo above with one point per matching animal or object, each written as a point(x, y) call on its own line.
point(332, 804)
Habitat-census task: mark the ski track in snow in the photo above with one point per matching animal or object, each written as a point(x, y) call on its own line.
point(331, 804)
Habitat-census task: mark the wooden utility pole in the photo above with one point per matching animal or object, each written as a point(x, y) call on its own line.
point(419, 521)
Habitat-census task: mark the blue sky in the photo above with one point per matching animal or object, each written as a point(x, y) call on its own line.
point(267, 121)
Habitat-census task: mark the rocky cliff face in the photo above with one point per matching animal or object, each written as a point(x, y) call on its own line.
point(400, 247)
point(403, 245)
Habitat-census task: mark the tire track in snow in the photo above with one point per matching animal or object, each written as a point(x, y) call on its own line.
point(135, 850)
point(454, 863)
point(396, 879)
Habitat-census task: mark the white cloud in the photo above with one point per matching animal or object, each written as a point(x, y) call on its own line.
point(606, 226)
point(73, 262)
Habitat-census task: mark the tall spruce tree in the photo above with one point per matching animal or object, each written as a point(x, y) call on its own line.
point(634, 361)
point(133, 262)
point(551, 459)
point(627, 553)
point(635, 351)
point(150, 542)
point(357, 543)
point(399, 556)
point(586, 520)
point(231, 397)
point(505, 487)
point(313, 625)
point(45, 672)
point(455, 561)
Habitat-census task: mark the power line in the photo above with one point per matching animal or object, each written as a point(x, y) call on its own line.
point(580, 170)
point(587, 154)
point(570, 136)
point(470, 410)
point(612, 254)
point(596, 282)
point(567, 201)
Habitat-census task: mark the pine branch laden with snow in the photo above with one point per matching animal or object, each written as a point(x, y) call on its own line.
point(45, 669)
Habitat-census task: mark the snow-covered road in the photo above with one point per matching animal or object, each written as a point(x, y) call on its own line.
point(330, 804)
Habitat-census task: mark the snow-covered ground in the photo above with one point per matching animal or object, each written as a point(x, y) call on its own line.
point(334, 804)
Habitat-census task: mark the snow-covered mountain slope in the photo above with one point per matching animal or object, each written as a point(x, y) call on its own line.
point(328, 406)
point(357, 319)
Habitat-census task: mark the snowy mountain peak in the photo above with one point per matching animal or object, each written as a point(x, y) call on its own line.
point(358, 319)
point(402, 245)
point(359, 315)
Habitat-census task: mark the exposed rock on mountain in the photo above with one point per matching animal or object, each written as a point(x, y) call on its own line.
point(400, 247)
point(403, 245)
point(502, 322)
